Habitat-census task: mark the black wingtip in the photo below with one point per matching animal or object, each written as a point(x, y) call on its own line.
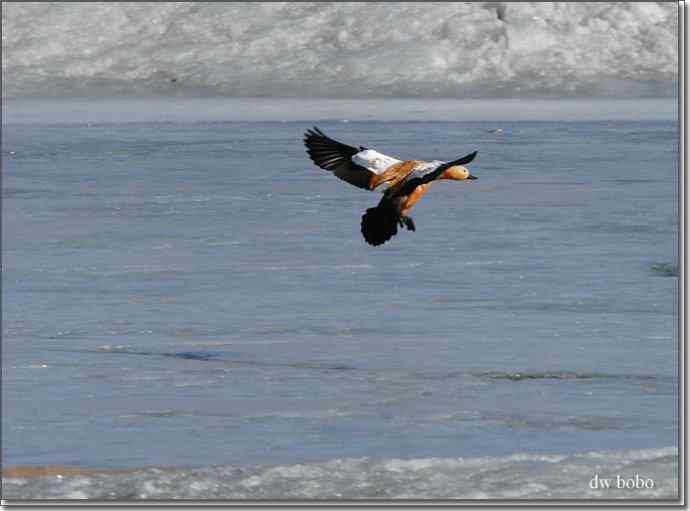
point(466, 159)
point(334, 156)
point(314, 133)
point(462, 161)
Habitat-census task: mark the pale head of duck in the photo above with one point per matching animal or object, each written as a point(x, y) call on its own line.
point(457, 173)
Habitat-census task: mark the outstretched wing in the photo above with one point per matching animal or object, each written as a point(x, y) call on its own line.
point(427, 172)
point(356, 166)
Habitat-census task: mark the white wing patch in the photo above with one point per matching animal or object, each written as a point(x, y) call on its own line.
point(423, 168)
point(373, 160)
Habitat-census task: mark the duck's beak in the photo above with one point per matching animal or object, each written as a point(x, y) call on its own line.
point(471, 177)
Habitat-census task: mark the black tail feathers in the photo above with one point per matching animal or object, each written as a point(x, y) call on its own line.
point(380, 224)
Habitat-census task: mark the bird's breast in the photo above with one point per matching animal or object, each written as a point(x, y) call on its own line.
point(407, 201)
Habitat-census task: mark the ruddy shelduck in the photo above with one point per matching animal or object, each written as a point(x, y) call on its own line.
point(365, 168)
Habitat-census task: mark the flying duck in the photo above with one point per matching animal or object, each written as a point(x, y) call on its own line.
point(365, 168)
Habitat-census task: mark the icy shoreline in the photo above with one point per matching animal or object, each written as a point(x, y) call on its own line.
point(459, 50)
point(518, 476)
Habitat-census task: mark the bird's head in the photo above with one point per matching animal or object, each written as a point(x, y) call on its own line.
point(457, 173)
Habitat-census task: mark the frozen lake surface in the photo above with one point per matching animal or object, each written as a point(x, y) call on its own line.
point(194, 294)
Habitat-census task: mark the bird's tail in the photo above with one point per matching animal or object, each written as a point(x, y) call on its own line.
point(379, 224)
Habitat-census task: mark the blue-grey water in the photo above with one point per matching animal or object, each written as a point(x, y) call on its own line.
point(198, 294)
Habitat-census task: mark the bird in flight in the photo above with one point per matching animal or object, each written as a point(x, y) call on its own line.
point(365, 168)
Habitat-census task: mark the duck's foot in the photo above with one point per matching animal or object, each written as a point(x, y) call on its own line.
point(407, 222)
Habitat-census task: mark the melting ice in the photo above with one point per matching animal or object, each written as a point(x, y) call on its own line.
point(340, 49)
